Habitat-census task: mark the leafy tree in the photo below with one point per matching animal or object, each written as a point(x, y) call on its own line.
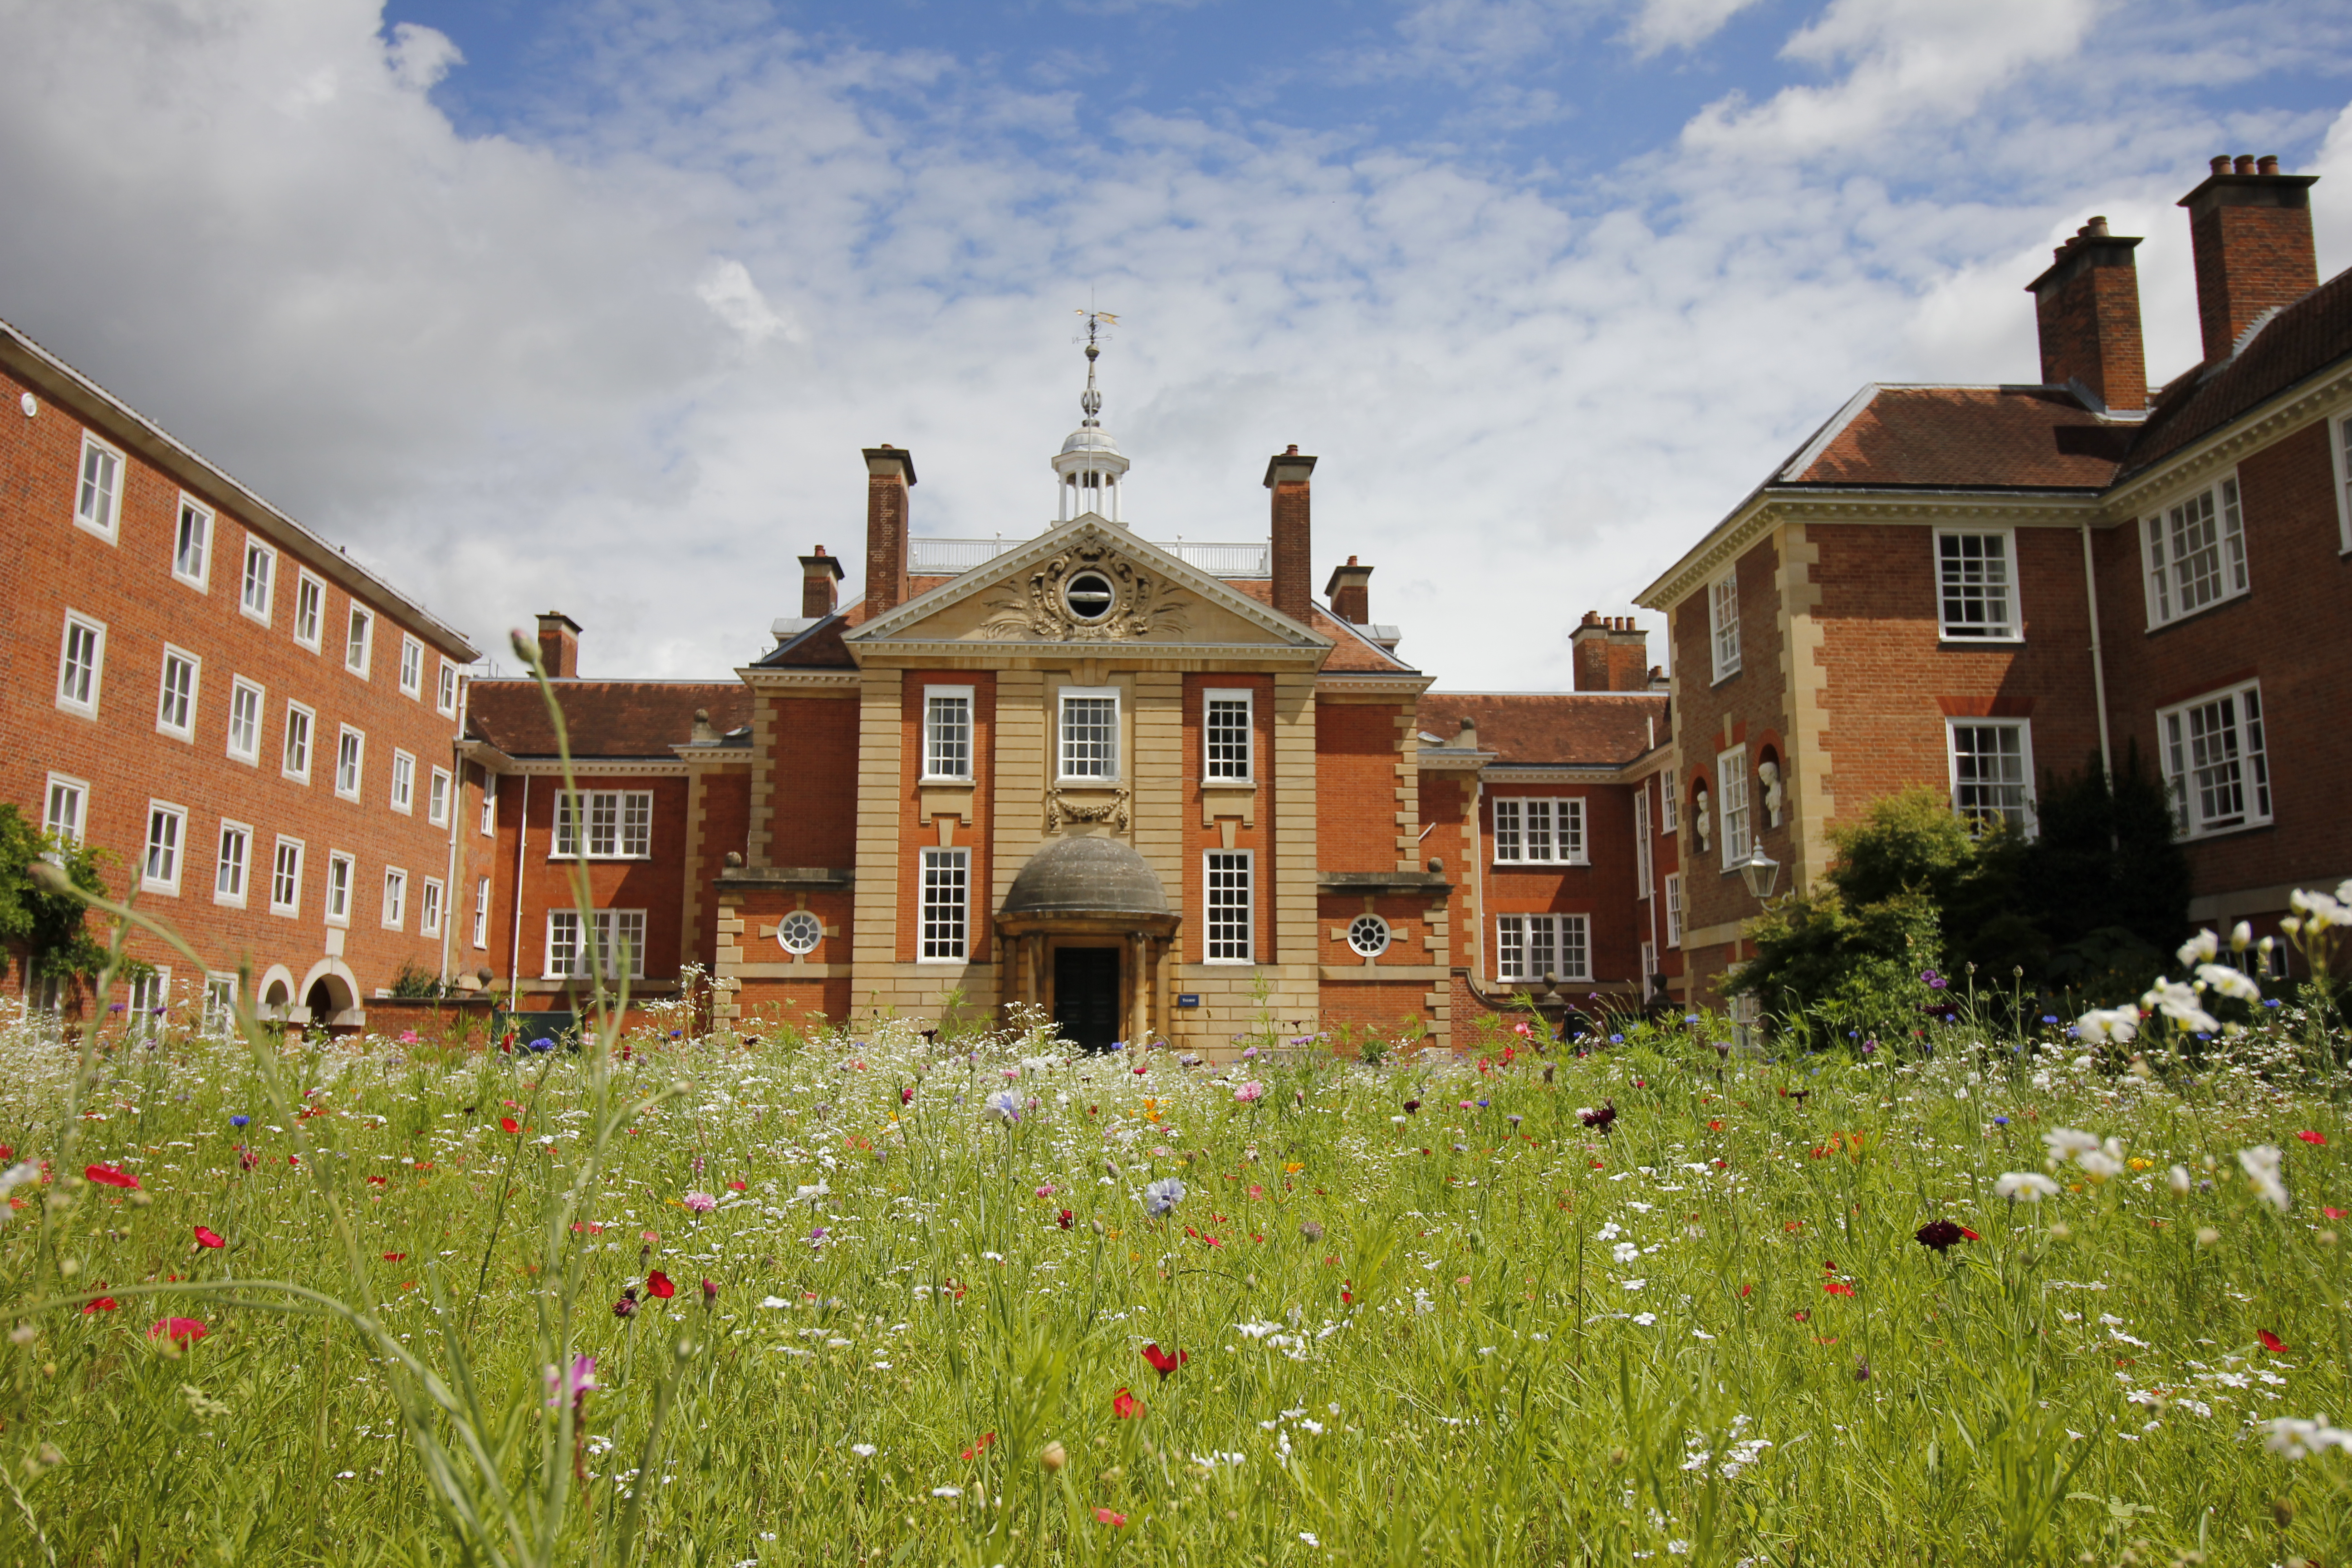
point(2106, 880)
point(49, 933)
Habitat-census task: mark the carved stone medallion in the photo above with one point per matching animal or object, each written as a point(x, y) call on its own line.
point(1117, 600)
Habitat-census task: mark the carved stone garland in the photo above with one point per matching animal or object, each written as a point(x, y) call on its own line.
point(1113, 811)
point(1141, 603)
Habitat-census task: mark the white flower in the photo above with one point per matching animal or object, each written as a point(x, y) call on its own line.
point(2033, 1185)
point(863, 1450)
point(2178, 1179)
point(1625, 1252)
point(2098, 1164)
point(17, 1175)
point(2229, 982)
point(2296, 1439)
point(1635, 1284)
point(947, 1491)
point(1646, 1319)
point(2241, 936)
point(2117, 1024)
point(1162, 1195)
point(809, 1195)
point(2065, 1142)
point(2260, 1164)
point(1005, 1106)
point(1610, 1232)
point(2199, 949)
point(2178, 1003)
point(1308, 1536)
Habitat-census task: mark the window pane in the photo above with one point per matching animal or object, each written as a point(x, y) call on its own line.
point(1090, 737)
point(604, 822)
point(947, 738)
point(1974, 570)
point(1228, 737)
point(1228, 905)
point(945, 873)
point(1989, 772)
point(1539, 838)
point(1510, 842)
point(1543, 956)
point(1573, 962)
point(638, 823)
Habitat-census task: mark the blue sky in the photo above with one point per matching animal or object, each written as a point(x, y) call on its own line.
point(590, 306)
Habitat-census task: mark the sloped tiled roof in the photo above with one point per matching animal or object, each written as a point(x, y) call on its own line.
point(1351, 650)
point(2297, 344)
point(1556, 729)
point(604, 717)
point(1963, 436)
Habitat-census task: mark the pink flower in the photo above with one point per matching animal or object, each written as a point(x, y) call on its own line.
point(408, 1036)
point(701, 1202)
point(1105, 1516)
point(1048, 1190)
point(1250, 1093)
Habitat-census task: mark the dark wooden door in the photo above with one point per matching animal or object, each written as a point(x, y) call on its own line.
point(1086, 995)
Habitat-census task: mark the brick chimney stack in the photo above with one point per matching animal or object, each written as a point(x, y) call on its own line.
point(821, 577)
point(889, 474)
point(559, 644)
point(2087, 307)
point(1609, 653)
point(1350, 591)
point(2249, 227)
point(1286, 475)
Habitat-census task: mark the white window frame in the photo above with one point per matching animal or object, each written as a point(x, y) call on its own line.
point(1246, 771)
point(81, 698)
point(403, 782)
point(938, 765)
point(1062, 739)
point(285, 881)
point(482, 914)
point(1670, 805)
point(97, 507)
point(446, 691)
point(2248, 733)
point(255, 590)
point(199, 576)
point(350, 762)
point(943, 907)
point(615, 818)
point(171, 846)
point(1649, 969)
point(343, 876)
point(609, 928)
point(220, 1014)
point(1641, 878)
point(309, 727)
point(1735, 814)
point(438, 792)
point(1671, 885)
point(395, 898)
point(70, 824)
point(429, 896)
point(255, 701)
point(1244, 861)
point(489, 825)
point(2339, 449)
point(145, 1001)
point(1368, 935)
point(1722, 624)
point(2160, 566)
point(238, 868)
point(412, 667)
point(2023, 729)
point(166, 696)
point(1953, 575)
point(310, 610)
point(1518, 934)
point(359, 628)
point(1561, 833)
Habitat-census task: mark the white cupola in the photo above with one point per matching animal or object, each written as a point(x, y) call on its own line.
point(1090, 469)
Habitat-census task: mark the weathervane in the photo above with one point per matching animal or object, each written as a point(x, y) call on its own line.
point(1090, 401)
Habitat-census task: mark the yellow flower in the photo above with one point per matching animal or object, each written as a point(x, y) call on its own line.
point(2138, 1164)
point(1294, 1166)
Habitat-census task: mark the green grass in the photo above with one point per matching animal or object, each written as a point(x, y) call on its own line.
point(1458, 1368)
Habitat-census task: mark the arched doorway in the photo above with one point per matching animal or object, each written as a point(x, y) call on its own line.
point(331, 996)
point(1086, 932)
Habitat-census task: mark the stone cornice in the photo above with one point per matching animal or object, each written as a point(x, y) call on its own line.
point(598, 767)
point(846, 679)
point(486, 754)
point(1009, 654)
point(1399, 685)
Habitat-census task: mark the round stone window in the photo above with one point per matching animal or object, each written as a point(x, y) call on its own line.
point(1088, 595)
point(799, 932)
point(1368, 935)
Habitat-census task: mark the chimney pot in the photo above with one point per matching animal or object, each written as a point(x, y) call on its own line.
point(2097, 228)
point(2267, 164)
point(2221, 165)
point(2250, 231)
point(2245, 164)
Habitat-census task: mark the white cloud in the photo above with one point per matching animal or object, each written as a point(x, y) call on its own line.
point(1661, 24)
point(623, 364)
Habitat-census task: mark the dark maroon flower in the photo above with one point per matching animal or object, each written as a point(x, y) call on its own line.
point(627, 1307)
point(1943, 1235)
point(1413, 1105)
point(1599, 1120)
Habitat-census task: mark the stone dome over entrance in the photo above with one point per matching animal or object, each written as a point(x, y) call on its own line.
point(1086, 875)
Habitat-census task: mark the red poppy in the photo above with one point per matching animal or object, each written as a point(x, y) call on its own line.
point(979, 1444)
point(1837, 1288)
point(2318, 1138)
point(2337, 1214)
point(1714, 1126)
point(2271, 1341)
point(179, 1330)
point(739, 1187)
point(1800, 1316)
point(1347, 1292)
point(1162, 1362)
point(103, 1304)
point(1746, 1291)
point(6, 1153)
point(208, 1237)
point(108, 1176)
point(657, 1285)
point(395, 1257)
point(1126, 1405)
point(1066, 1219)
point(1105, 1516)
point(509, 1124)
point(379, 1181)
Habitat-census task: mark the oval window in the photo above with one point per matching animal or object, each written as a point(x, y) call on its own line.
point(799, 932)
point(1088, 595)
point(1368, 935)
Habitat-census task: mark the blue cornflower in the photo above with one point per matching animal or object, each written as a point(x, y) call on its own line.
point(1162, 1195)
point(1690, 1017)
point(1616, 1039)
point(2270, 1001)
point(2001, 1122)
point(2049, 1017)
point(239, 1121)
point(1005, 1106)
point(1484, 1103)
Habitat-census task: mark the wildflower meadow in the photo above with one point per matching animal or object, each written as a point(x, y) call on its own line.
point(882, 1295)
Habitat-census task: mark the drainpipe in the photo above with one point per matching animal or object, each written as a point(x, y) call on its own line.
point(449, 872)
point(2098, 660)
point(514, 952)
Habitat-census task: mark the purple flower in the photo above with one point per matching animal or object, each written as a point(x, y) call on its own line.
point(575, 1386)
point(701, 1202)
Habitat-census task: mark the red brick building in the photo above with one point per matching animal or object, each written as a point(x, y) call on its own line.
point(1971, 586)
point(255, 727)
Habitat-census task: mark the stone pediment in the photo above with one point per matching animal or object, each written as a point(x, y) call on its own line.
point(1089, 583)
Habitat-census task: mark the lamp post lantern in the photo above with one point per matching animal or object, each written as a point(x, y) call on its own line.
point(1758, 870)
